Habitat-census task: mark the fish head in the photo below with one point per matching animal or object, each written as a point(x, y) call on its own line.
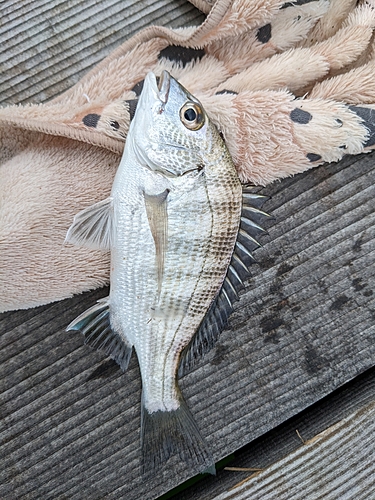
point(170, 129)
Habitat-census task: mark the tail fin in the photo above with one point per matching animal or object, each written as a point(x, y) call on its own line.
point(167, 433)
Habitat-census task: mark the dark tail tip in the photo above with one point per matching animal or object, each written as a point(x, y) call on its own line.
point(168, 433)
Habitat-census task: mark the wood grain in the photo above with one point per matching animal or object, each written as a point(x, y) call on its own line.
point(303, 327)
point(321, 468)
point(48, 45)
point(283, 441)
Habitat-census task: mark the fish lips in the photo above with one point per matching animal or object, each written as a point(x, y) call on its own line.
point(157, 87)
point(164, 86)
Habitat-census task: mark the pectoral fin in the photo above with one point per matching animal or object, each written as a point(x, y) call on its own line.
point(156, 210)
point(93, 227)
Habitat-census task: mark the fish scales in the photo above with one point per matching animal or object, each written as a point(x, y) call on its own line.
point(171, 224)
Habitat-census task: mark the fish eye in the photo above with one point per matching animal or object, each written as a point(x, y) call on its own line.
point(192, 116)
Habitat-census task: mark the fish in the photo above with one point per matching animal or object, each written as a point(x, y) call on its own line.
point(181, 230)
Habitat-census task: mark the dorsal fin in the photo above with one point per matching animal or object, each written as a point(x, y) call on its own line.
point(216, 318)
point(95, 325)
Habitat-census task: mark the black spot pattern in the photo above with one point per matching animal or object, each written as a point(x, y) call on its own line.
point(264, 33)
point(180, 54)
point(91, 120)
point(313, 157)
point(226, 91)
point(368, 117)
point(115, 124)
point(300, 116)
point(132, 107)
point(296, 2)
point(138, 87)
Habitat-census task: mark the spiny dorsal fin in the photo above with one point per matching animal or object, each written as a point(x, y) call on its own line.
point(93, 227)
point(216, 318)
point(95, 325)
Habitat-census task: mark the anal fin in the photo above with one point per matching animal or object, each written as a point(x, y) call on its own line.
point(93, 227)
point(95, 325)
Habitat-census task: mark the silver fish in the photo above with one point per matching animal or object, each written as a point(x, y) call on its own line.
point(181, 231)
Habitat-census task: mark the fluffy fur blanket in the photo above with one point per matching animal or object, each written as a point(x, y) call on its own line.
point(289, 84)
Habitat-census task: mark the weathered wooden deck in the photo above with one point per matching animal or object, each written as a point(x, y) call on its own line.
point(303, 329)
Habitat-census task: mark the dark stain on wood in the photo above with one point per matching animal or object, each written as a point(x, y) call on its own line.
point(339, 303)
point(105, 370)
point(284, 268)
point(269, 326)
point(314, 362)
point(358, 284)
point(357, 247)
point(220, 353)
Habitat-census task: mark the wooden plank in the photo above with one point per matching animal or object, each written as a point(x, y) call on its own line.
point(283, 440)
point(303, 327)
point(48, 45)
point(337, 463)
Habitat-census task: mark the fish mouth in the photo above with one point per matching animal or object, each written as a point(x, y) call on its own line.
point(156, 88)
point(163, 86)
